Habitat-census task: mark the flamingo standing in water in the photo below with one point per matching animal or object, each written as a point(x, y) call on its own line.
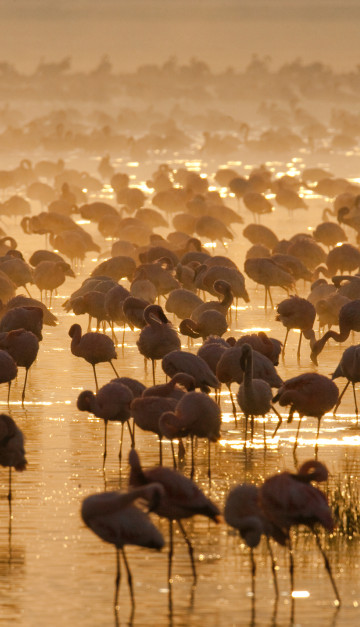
point(12, 452)
point(349, 367)
point(289, 500)
point(157, 338)
point(310, 394)
point(111, 402)
point(115, 519)
point(23, 347)
point(349, 320)
point(242, 511)
point(297, 313)
point(182, 499)
point(93, 347)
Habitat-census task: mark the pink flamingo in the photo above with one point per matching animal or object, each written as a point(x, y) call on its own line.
point(289, 499)
point(242, 511)
point(196, 414)
point(111, 402)
point(157, 338)
point(93, 347)
point(115, 519)
point(310, 394)
point(23, 346)
point(12, 452)
point(182, 499)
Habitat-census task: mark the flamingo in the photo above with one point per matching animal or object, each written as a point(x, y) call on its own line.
point(93, 347)
point(115, 519)
point(254, 395)
point(349, 320)
point(310, 394)
point(196, 414)
point(8, 370)
point(146, 412)
point(266, 272)
point(297, 313)
point(23, 346)
point(111, 402)
point(242, 511)
point(157, 338)
point(182, 499)
point(12, 452)
point(209, 322)
point(289, 499)
point(349, 367)
point(183, 361)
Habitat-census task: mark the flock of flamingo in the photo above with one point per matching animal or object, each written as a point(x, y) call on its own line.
point(125, 289)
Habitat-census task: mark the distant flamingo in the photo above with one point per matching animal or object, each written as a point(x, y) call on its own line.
point(196, 414)
point(23, 346)
point(309, 394)
point(28, 318)
point(297, 313)
point(182, 499)
point(349, 367)
point(242, 511)
point(115, 519)
point(93, 347)
point(209, 322)
point(266, 272)
point(111, 402)
point(349, 320)
point(171, 389)
point(157, 338)
point(289, 499)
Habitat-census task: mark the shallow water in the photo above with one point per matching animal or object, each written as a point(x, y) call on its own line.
point(54, 571)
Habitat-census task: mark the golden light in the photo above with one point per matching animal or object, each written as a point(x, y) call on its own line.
point(300, 594)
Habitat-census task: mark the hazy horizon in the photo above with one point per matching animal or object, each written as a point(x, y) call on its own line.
point(220, 32)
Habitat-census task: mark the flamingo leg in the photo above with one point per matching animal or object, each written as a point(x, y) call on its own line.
point(153, 370)
point(129, 577)
point(192, 457)
point(317, 437)
point(121, 443)
point(291, 566)
point(131, 434)
point(96, 381)
point(286, 337)
point(23, 391)
point(117, 580)
point(209, 463)
point(8, 397)
point(160, 452)
point(340, 398)
point(297, 433)
point(253, 572)
point(299, 345)
point(105, 444)
point(273, 568)
point(233, 405)
point(171, 550)
point(271, 300)
point(328, 567)
point(113, 367)
point(190, 549)
point(246, 428)
point(356, 407)
point(173, 453)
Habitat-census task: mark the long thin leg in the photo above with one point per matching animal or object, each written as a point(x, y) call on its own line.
point(153, 370)
point(173, 453)
point(192, 457)
point(117, 579)
point(297, 433)
point(121, 443)
point(233, 405)
point(191, 550)
point(328, 567)
point(317, 437)
point(171, 549)
point(253, 571)
point(105, 443)
point(113, 367)
point(129, 577)
point(8, 397)
point(299, 345)
point(23, 392)
point(160, 452)
point(355, 402)
point(209, 462)
point(286, 337)
point(96, 381)
point(291, 566)
point(273, 567)
point(278, 424)
point(131, 434)
point(270, 297)
point(340, 397)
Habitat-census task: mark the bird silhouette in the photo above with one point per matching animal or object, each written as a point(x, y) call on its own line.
point(289, 500)
point(111, 402)
point(309, 394)
point(182, 499)
point(115, 519)
point(349, 367)
point(23, 346)
point(12, 452)
point(297, 313)
point(349, 320)
point(93, 347)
